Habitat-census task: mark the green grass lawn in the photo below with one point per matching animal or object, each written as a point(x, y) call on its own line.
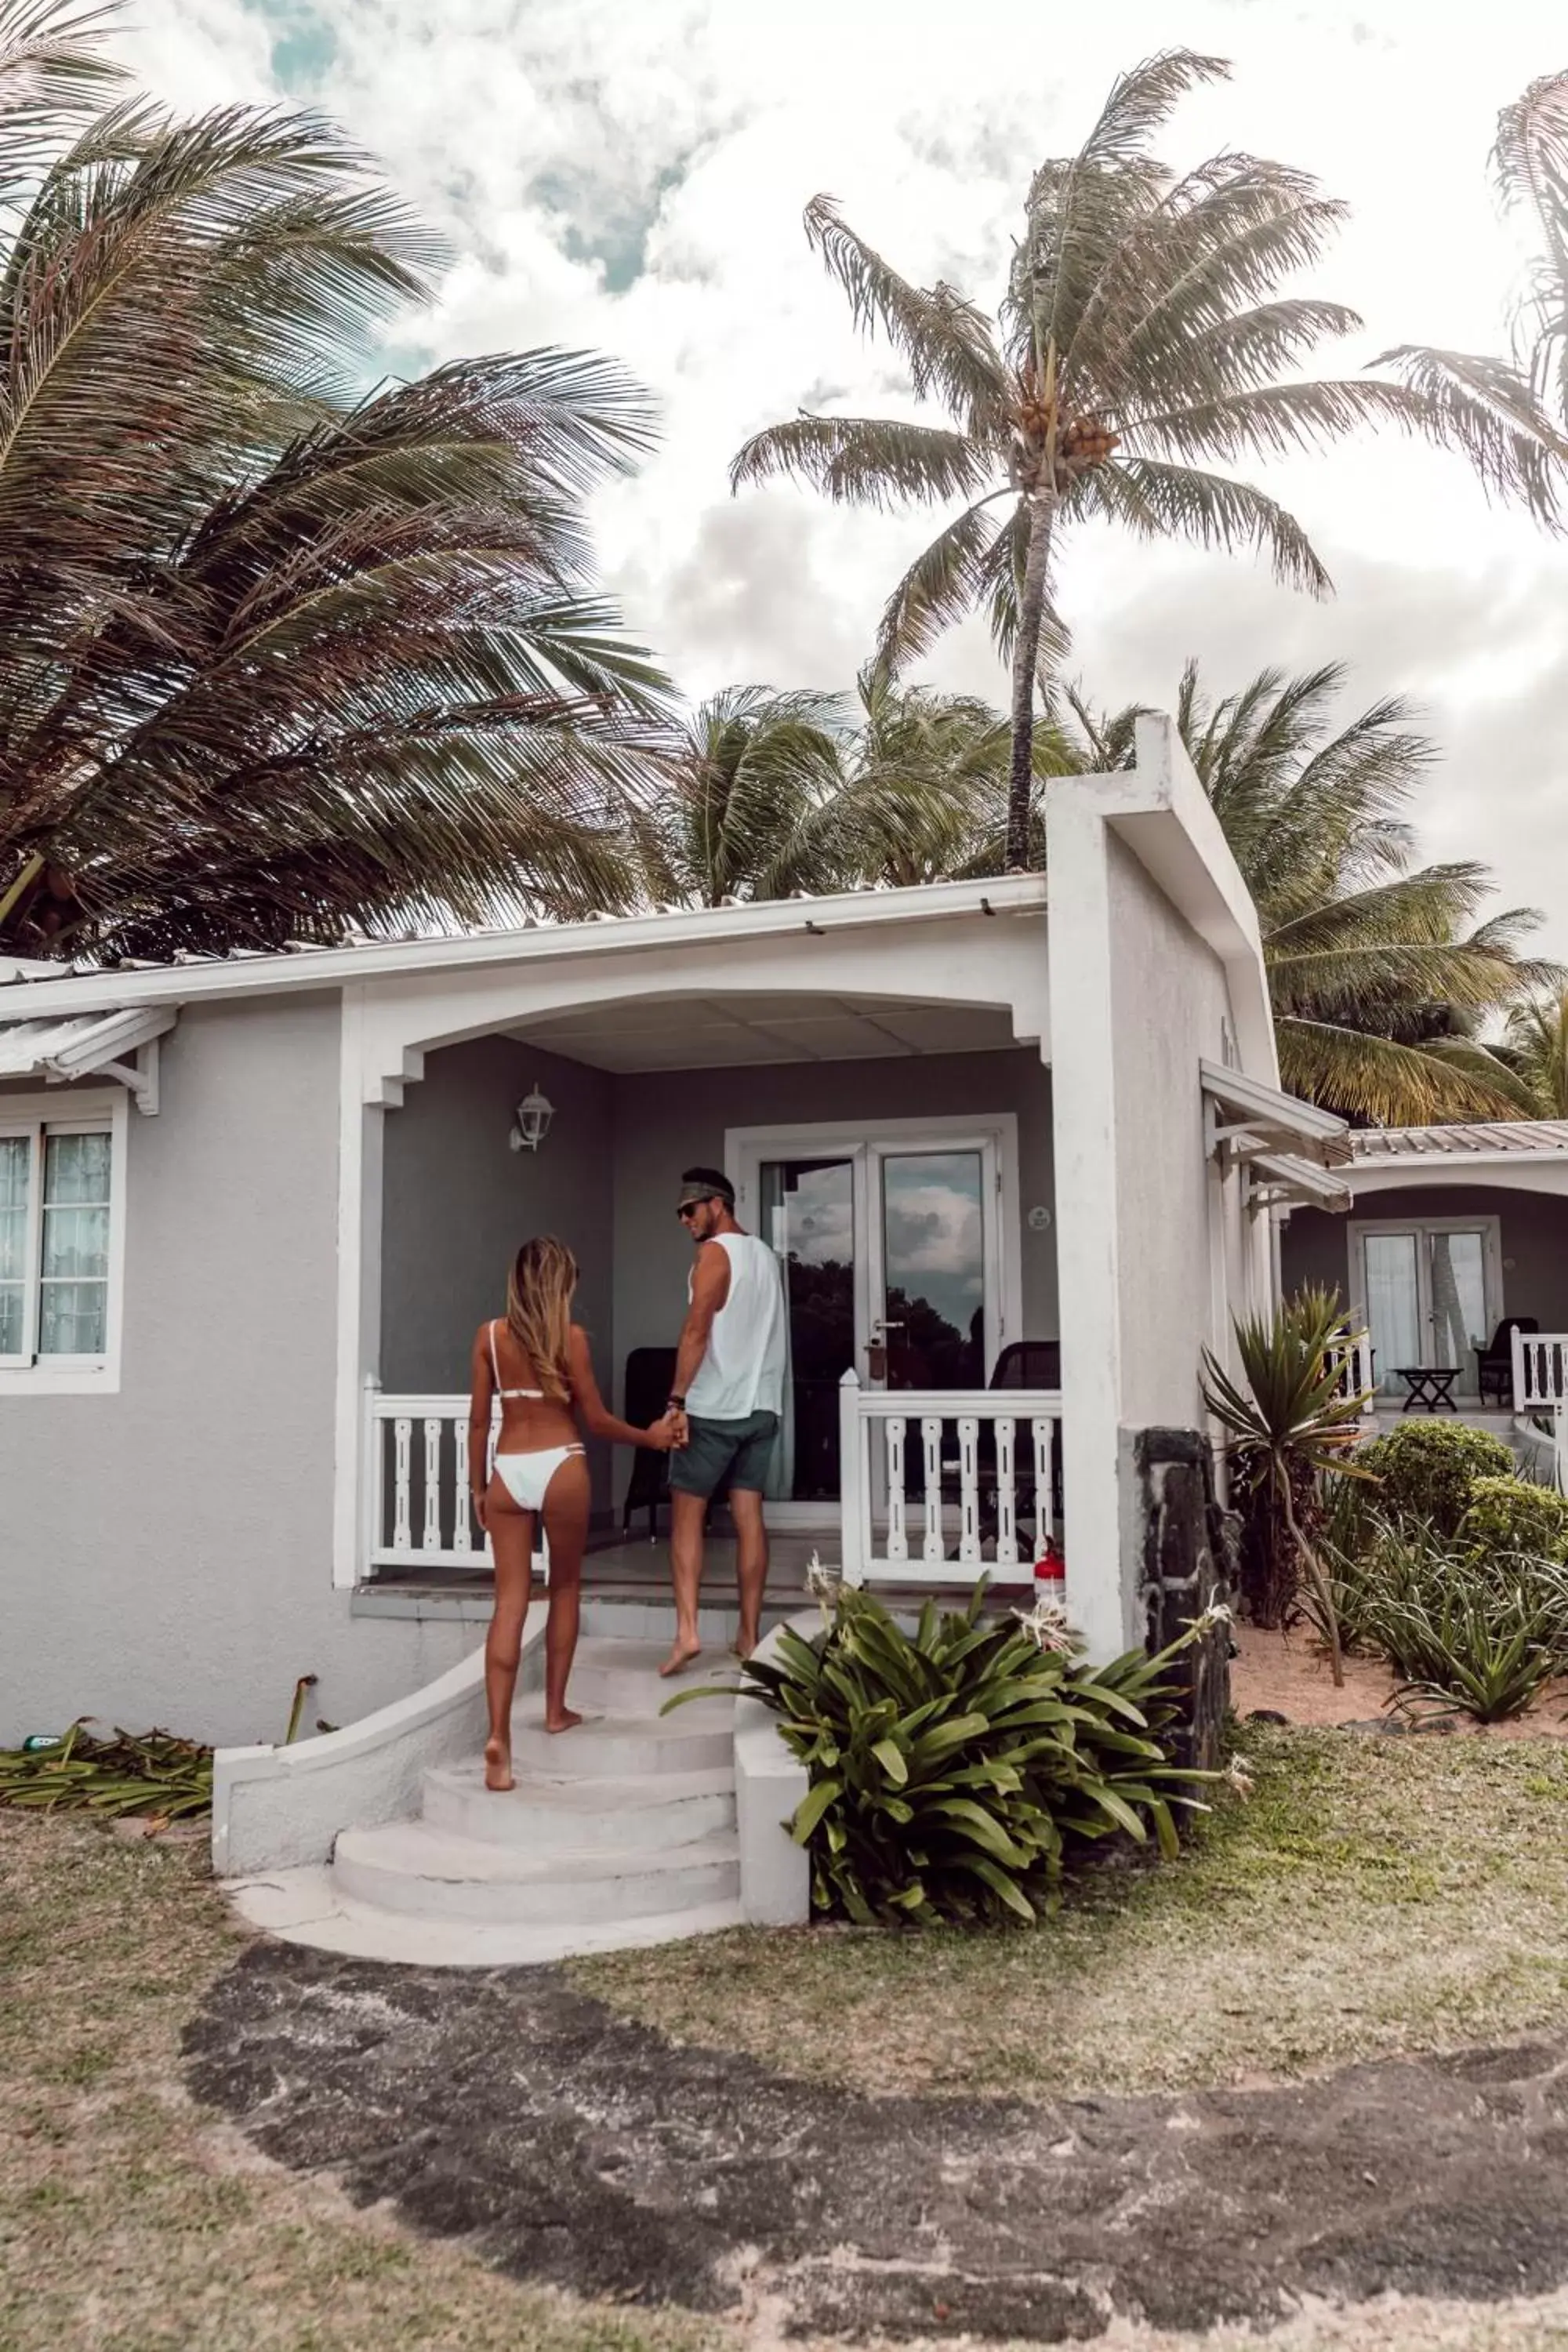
point(1372, 1895)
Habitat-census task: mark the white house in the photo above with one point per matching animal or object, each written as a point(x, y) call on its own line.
point(251, 1211)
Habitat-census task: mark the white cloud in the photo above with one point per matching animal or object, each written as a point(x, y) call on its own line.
point(570, 148)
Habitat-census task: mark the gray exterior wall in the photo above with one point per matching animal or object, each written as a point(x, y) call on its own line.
point(1169, 1002)
point(666, 1123)
point(1315, 1248)
point(165, 1552)
point(457, 1200)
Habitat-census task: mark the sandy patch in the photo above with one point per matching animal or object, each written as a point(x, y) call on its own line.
point(1290, 1673)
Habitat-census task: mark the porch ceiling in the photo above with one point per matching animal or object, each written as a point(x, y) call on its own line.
point(741, 1031)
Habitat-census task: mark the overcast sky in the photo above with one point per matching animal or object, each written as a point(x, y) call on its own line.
point(630, 174)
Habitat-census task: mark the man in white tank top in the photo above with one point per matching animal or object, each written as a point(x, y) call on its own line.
point(729, 1393)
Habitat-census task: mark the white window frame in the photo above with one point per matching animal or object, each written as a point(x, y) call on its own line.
point(73, 1113)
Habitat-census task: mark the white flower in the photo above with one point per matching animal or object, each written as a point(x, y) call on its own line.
point(1045, 1624)
point(823, 1583)
point(1239, 1777)
point(1217, 1613)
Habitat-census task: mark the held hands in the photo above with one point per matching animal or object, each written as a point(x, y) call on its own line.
point(668, 1432)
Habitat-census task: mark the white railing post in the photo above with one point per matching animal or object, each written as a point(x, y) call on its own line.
point(1516, 1338)
point(1007, 1494)
point(897, 1529)
point(854, 1480)
point(933, 1546)
point(969, 1490)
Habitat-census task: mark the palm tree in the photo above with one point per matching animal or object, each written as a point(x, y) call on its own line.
point(1141, 343)
point(779, 792)
point(1537, 1050)
point(1381, 975)
point(277, 660)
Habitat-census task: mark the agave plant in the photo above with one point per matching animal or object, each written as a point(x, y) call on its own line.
point(1293, 1423)
point(956, 1773)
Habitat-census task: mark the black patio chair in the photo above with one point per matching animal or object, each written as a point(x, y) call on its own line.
point(650, 1376)
point(1494, 1365)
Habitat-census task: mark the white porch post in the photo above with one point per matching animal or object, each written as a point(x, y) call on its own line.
point(854, 1481)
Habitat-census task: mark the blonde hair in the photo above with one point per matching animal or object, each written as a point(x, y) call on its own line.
point(539, 1287)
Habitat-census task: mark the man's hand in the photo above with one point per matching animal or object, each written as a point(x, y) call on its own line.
point(666, 1432)
point(682, 1427)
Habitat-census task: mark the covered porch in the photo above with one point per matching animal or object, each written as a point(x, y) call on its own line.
point(896, 1151)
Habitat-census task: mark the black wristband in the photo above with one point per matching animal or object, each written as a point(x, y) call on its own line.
point(679, 1402)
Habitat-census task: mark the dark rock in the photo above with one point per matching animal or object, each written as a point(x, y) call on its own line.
point(1386, 1726)
point(575, 2148)
point(1266, 1715)
point(1188, 1557)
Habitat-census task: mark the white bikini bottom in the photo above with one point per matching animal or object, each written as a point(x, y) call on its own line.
point(526, 1477)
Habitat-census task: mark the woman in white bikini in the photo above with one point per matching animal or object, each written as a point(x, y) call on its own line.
point(536, 1361)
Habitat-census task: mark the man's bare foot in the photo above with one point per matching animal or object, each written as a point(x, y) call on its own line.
point(563, 1719)
point(744, 1644)
point(681, 1657)
point(498, 1767)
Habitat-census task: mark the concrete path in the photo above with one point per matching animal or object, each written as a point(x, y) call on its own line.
point(585, 2151)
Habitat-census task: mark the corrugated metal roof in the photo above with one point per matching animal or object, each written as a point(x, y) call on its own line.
point(1485, 1138)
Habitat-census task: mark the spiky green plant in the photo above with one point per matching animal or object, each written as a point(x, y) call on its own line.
point(1141, 354)
point(1292, 1424)
point(957, 1773)
point(279, 657)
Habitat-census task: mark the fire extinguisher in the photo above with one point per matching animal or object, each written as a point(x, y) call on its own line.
point(1050, 1574)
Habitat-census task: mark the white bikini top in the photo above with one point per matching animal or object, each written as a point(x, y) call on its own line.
point(536, 1394)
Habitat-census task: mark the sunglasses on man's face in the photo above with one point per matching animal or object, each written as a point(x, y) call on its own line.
point(688, 1209)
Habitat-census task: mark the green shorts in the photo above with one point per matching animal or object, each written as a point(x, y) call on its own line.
point(724, 1454)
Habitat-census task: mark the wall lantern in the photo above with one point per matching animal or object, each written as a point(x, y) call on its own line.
point(534, 1116)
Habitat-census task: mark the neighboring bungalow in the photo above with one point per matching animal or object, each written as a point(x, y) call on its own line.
point(1457, 1236)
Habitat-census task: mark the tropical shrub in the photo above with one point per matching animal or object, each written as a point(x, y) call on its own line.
point(1511, 1516)
point(958, 1772)
point(1462, 1627)
point(1424, 1471)
point(1288, 1429)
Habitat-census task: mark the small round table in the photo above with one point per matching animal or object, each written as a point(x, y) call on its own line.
point(1431, 1387)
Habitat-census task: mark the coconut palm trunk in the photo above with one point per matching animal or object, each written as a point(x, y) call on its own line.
point(1026, 661)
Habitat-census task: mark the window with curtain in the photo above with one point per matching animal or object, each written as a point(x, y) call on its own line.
point(56, 1199)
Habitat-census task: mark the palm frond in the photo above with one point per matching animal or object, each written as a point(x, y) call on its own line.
point(866, 460)
point(1380, 1082)
point(945, 340)
point(1156, 500)
point(943, 583)
point(1488, 411)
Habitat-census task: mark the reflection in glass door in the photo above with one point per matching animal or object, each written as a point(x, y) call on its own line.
point(808, 1215)
point(929, 1291)
point(1424, 1291)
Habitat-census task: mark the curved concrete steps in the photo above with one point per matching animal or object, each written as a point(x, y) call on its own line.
point(620, 1831)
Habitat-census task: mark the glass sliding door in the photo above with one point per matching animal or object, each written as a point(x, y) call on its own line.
point(807, 1216)
point(1429, 1291)
point(931, 1271)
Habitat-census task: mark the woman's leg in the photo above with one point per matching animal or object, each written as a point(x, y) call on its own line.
point(567, 1500)
point(511, 1543)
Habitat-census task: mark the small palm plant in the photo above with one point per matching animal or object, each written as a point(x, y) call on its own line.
point(1293, 1423)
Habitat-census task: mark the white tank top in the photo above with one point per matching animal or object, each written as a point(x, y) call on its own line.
point(744, 1369)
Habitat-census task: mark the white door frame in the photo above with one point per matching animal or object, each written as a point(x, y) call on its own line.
point(995, 1135)
point(1490, 1230)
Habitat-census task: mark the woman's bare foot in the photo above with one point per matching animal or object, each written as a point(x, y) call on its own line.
point(565, 1719)
point(498, 1767)
point(681, 1657)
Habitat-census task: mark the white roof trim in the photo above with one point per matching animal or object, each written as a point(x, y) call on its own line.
point(307, 968)
point(90, 1045)
point(1253, 1117)
point(1279, 1180)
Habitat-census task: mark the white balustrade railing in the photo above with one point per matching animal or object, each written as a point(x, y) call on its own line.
point(973, 1507)
point(1356, 1379)
point(1539, 1370)
point(419, 1514)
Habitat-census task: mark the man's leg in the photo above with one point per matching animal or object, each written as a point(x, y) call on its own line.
point(686, 1516)
point(751, 1565)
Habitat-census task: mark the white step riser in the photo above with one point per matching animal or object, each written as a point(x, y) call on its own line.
point(629, 1690)
point(589, 1755)
point(534, 1823)
point(542, 1902)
